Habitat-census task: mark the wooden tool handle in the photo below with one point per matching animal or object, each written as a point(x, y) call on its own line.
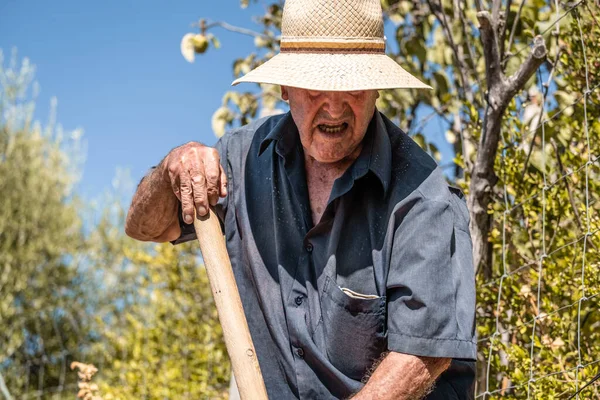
point(229, 307)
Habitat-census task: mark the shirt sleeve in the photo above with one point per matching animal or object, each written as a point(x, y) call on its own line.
point(188, 232)
point(431, 282)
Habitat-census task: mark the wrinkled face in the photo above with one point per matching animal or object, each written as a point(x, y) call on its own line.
point(332, 125)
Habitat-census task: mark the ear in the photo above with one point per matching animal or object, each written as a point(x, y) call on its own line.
point(284, 93)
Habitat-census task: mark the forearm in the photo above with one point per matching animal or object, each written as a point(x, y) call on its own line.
point(403, 377)
point(153, 214)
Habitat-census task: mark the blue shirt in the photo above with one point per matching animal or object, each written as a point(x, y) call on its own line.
point(387, 268)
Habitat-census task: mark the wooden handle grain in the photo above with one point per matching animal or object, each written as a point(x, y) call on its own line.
point(229, 307)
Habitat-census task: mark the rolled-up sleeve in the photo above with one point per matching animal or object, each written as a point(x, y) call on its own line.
point(430, 286)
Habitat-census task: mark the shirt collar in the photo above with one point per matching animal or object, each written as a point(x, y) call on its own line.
point(284, 134)
point(375, 156)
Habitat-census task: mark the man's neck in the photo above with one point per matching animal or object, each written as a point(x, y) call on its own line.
point(320, 178)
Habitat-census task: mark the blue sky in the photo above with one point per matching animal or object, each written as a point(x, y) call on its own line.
point(117, 72)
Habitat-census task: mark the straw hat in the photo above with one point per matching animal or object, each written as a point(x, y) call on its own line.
point(332, 45)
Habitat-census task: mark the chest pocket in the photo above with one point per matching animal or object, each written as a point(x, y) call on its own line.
point(353, 328)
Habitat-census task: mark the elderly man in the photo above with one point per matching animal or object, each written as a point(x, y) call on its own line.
point(351, 253)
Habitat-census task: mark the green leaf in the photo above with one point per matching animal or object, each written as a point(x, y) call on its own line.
point(441, 80)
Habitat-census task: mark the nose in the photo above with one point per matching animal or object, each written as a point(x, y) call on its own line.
point(335, 104)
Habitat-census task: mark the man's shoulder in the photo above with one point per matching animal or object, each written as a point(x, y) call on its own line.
point(405, 151)
point(262, 125)
point(412, 168)
point(239, 139)
point(416, 177)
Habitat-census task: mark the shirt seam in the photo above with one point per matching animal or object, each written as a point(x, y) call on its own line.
point(448, 203)
point(428, 198)
point(429, 338)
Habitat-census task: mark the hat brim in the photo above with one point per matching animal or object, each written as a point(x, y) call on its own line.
point(333, 72)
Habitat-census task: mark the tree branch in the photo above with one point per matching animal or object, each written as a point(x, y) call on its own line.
point(569, 192)
point(593, 15)
point(440, 15)
point(470, 49)
point(546, 86)
point(561, 168)
point(514, 28)
point(489, 39)
point(503, 34)
point(496, 4)
point(4, 389)
point(457, 127)
point(500, 91)
point(478, 5)
point(528, 68)
point(235, 29)
point(413, 115)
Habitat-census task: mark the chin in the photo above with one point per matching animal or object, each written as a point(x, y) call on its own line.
point(328, 158)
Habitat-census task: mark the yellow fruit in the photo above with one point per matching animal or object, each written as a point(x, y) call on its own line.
point(200, 43)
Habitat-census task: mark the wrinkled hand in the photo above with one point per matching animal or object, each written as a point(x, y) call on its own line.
point(196, 177)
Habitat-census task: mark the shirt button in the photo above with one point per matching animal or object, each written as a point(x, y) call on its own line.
point(298, 300)
point(309, 247)
point(300, 352)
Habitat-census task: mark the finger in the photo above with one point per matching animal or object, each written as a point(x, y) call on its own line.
point(199, 190)
point(223, 182)
point(187, 201)
point(212, 172)
point(174, 180)
point(196, 170)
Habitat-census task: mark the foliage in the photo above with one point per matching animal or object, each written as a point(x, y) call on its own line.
point(39, 234)
point(239, 108)
point(159, 335)
point(548, 266)
point(74, 287)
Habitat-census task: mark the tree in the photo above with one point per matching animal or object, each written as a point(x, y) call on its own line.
point(40, 234)
point(539, 311)
point(157, 326)
point(73, 287)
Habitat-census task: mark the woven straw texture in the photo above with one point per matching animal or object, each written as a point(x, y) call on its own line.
point(332, 19)
point(333, 45)
point(335, 72)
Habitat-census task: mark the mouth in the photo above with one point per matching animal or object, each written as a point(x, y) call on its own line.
point(333, 129)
